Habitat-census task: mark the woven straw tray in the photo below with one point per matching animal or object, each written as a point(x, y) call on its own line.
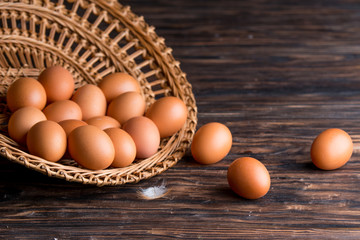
point(91, 38)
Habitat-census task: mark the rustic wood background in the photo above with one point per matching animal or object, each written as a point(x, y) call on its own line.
point(276, 73)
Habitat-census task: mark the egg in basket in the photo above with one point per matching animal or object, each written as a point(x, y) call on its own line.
point(91, 41)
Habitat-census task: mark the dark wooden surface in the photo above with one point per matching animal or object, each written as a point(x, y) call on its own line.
point(276, 73)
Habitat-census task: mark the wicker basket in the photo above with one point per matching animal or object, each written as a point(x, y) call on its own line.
point(91, 38)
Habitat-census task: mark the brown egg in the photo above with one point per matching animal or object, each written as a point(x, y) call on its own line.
point(62, 110)
point(91, 147)
point(125, 149)
point(25, 92)
point(117, 83)
point(145, 135)
point(126, 106)
point(58, 83)
point(21, 121)
point(91, 100)
point(103, 122)
point(248, 178)
point(211, 143)
point(47, 139)
point(169, 114)
point(70, 124)
point(331, 149)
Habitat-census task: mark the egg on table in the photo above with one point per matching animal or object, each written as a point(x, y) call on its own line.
point(211, 143)
point(331, 149)
point(248, 178)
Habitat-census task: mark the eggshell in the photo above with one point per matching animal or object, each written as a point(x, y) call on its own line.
point(103, 122)
point(25, 92)
point(248, 178)
point(58, 83)
point(169, 114)
point(125, 149)
point(70, 124)
point(211, 143)
point(331, 149)
point(145, 135)
point(63, 110)
point(126, 106)
point(21, 121)
point(91, 147)
point(91, 100)
point(47, 139)
point(115, 84)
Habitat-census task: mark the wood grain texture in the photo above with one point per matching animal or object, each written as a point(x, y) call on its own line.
point(276, 73)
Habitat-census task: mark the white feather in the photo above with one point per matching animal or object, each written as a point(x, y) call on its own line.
point(153, 192)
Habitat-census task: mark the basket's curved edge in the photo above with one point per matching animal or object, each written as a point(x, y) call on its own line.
point(45, 167)
point(66, 21)
point(148, 36)
point(78, 178)
point(160, 52)
point(26, 41)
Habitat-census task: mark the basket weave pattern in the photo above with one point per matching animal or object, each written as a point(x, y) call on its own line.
point(91, 39)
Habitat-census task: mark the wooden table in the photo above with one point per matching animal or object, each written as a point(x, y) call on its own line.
point(277, 73)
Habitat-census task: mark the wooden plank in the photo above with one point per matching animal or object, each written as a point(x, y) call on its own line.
point(276, 73)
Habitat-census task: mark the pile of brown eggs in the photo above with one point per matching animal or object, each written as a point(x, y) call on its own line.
point(108, 125)
point(99, 126)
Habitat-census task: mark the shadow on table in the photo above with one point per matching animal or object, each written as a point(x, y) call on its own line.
point(18, 183)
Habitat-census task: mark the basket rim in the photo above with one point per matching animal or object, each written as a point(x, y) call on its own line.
point(149, 168)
